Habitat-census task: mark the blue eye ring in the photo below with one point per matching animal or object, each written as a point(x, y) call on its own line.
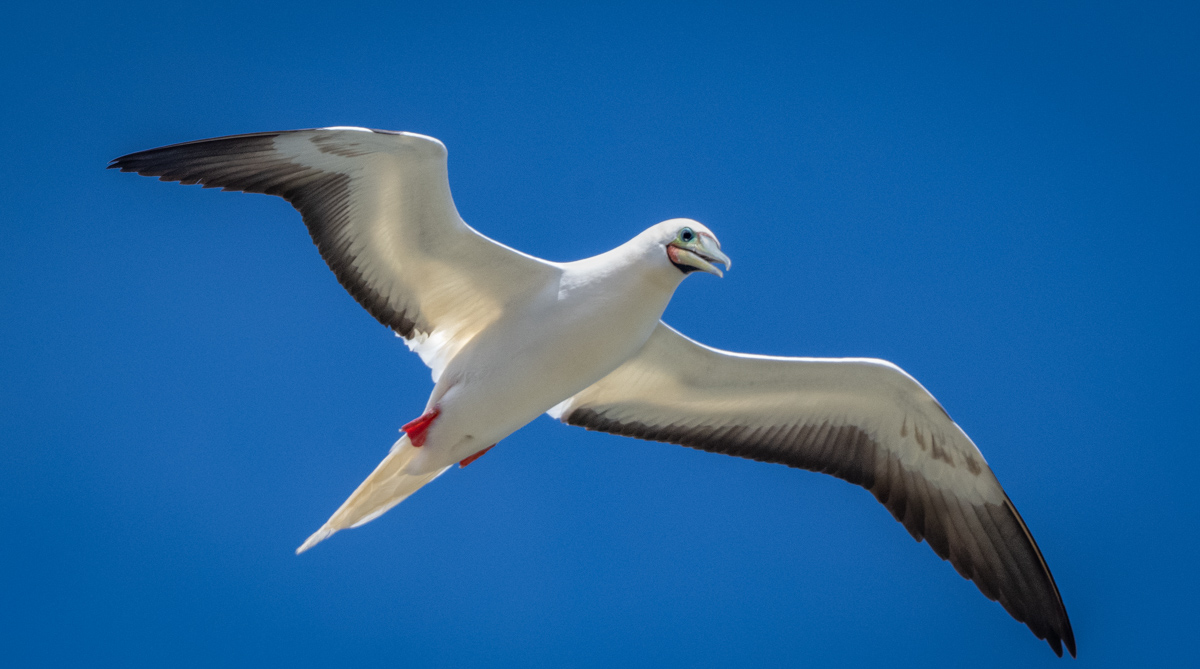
point(687, 235)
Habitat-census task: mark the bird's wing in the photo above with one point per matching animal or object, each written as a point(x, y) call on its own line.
point(861, 420)
point(378, 207)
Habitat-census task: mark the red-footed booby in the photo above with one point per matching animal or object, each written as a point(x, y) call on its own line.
point(509, 337)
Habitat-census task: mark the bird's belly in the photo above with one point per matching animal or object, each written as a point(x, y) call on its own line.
point(513, 374)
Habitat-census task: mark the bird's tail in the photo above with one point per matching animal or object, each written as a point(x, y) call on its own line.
point(386, 487)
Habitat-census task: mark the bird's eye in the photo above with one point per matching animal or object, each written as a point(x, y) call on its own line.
point(686, 235)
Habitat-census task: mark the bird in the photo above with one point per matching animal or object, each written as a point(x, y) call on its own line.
point(509, 337)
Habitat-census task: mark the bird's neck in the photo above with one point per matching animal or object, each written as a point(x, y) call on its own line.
point(630, 272)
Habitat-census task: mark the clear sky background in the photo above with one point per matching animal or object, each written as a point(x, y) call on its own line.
point(1003, 201)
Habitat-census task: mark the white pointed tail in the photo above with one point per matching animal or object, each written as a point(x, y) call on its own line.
point(386, 487)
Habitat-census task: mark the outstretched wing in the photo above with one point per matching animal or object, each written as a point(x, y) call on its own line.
point(378, 207)
point(861, 420)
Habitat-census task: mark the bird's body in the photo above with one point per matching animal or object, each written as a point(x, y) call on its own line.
point(509, 337)
point(589, 318)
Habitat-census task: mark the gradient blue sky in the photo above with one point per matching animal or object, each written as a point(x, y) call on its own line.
point(1003, 200)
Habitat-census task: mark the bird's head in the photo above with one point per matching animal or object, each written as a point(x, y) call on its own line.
point(691, 246)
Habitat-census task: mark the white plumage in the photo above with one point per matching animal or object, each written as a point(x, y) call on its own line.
point(509, 336)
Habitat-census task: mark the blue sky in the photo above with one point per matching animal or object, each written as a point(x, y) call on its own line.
point(1004, 201)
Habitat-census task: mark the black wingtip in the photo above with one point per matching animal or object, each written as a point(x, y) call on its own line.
point(1060, 640)
point(123, 163)
point(1056, 645)
point(1065, 638)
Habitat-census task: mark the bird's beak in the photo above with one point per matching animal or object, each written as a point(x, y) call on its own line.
point(701, 254)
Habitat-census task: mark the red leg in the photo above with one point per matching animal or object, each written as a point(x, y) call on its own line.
point(468, 460)
point(416, 429)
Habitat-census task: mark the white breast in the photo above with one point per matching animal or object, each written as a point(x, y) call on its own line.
point(564, 339)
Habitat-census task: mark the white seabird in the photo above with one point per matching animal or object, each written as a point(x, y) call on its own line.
point(509, 337)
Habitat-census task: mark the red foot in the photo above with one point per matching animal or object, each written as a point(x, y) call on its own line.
point(473, 458)
point(416, 429)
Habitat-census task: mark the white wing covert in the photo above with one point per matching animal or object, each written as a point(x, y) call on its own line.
point(378, 207)
point(861, 420)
